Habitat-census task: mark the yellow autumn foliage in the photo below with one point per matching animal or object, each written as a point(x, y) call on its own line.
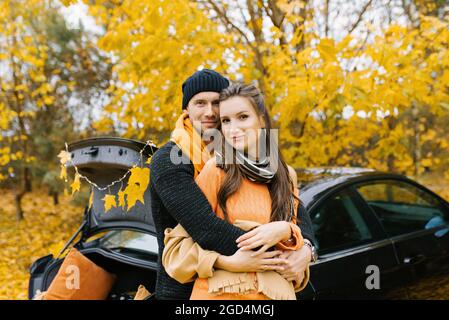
point(23, 56)
point(345, 102)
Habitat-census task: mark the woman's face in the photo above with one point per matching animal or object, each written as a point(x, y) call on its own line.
point(240, 123)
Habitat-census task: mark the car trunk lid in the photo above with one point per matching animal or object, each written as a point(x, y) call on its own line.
point(106, 162)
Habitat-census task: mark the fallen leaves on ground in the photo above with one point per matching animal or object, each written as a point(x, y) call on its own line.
point(44, 230)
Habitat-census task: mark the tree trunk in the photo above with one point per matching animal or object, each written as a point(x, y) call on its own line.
point(24, 188)
point(27, 180)
point(392, 122)
point(390, 163)
point(55, 198)
point(416, 141)
point(18, 203)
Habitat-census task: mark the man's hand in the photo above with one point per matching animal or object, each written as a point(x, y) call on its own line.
point(297, 262)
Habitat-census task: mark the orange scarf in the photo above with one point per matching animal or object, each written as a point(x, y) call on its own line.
point(190, 142)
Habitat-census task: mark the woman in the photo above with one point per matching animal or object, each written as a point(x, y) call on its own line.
point(255, 191)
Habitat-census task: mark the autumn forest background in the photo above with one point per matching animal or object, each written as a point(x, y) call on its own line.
point(361, 83)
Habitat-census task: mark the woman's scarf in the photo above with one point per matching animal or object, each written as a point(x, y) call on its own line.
point(259, 171)
point(190, 142)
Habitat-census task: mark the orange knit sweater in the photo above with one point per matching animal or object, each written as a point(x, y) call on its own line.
point(251, 202)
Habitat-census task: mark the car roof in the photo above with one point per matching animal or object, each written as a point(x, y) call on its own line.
point(314, 173)
point(316, 181)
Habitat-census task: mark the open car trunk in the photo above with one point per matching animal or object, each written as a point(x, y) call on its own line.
point(104, 161)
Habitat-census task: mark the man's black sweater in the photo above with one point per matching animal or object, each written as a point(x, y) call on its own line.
point(176, 198)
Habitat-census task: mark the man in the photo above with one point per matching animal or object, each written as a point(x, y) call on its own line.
point(177, 199)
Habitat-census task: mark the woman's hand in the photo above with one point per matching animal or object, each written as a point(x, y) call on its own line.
point(245, 261)
point(265, 236)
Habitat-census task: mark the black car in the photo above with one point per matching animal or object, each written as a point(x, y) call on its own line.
point(378, 235)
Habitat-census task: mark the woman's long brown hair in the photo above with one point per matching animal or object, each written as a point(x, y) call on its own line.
point(281, 186)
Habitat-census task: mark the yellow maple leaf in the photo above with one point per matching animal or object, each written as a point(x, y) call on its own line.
point(121, 199)
point(109, 202)
point(63, 174)
point(76, 184)
point(64, 156)
point(137, 184)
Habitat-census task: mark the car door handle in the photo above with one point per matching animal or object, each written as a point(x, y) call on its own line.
point(415, 259)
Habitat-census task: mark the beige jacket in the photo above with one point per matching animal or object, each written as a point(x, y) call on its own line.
point(184, 260)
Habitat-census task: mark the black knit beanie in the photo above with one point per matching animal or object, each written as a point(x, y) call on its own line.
point(202, 81)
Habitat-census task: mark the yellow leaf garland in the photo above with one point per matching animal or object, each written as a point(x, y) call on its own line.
point(121, 199)
point(109, 202)
point(63, 174)
point(76, 184)
point(64, 157)
point(137, 184)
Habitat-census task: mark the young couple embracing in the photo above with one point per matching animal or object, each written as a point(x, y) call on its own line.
point(225, 204)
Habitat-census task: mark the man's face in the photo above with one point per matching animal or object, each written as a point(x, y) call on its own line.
point(203, 111)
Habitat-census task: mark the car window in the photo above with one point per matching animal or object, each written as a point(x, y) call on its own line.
point(402, 207)
point(127, 239)
point(339, 224)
